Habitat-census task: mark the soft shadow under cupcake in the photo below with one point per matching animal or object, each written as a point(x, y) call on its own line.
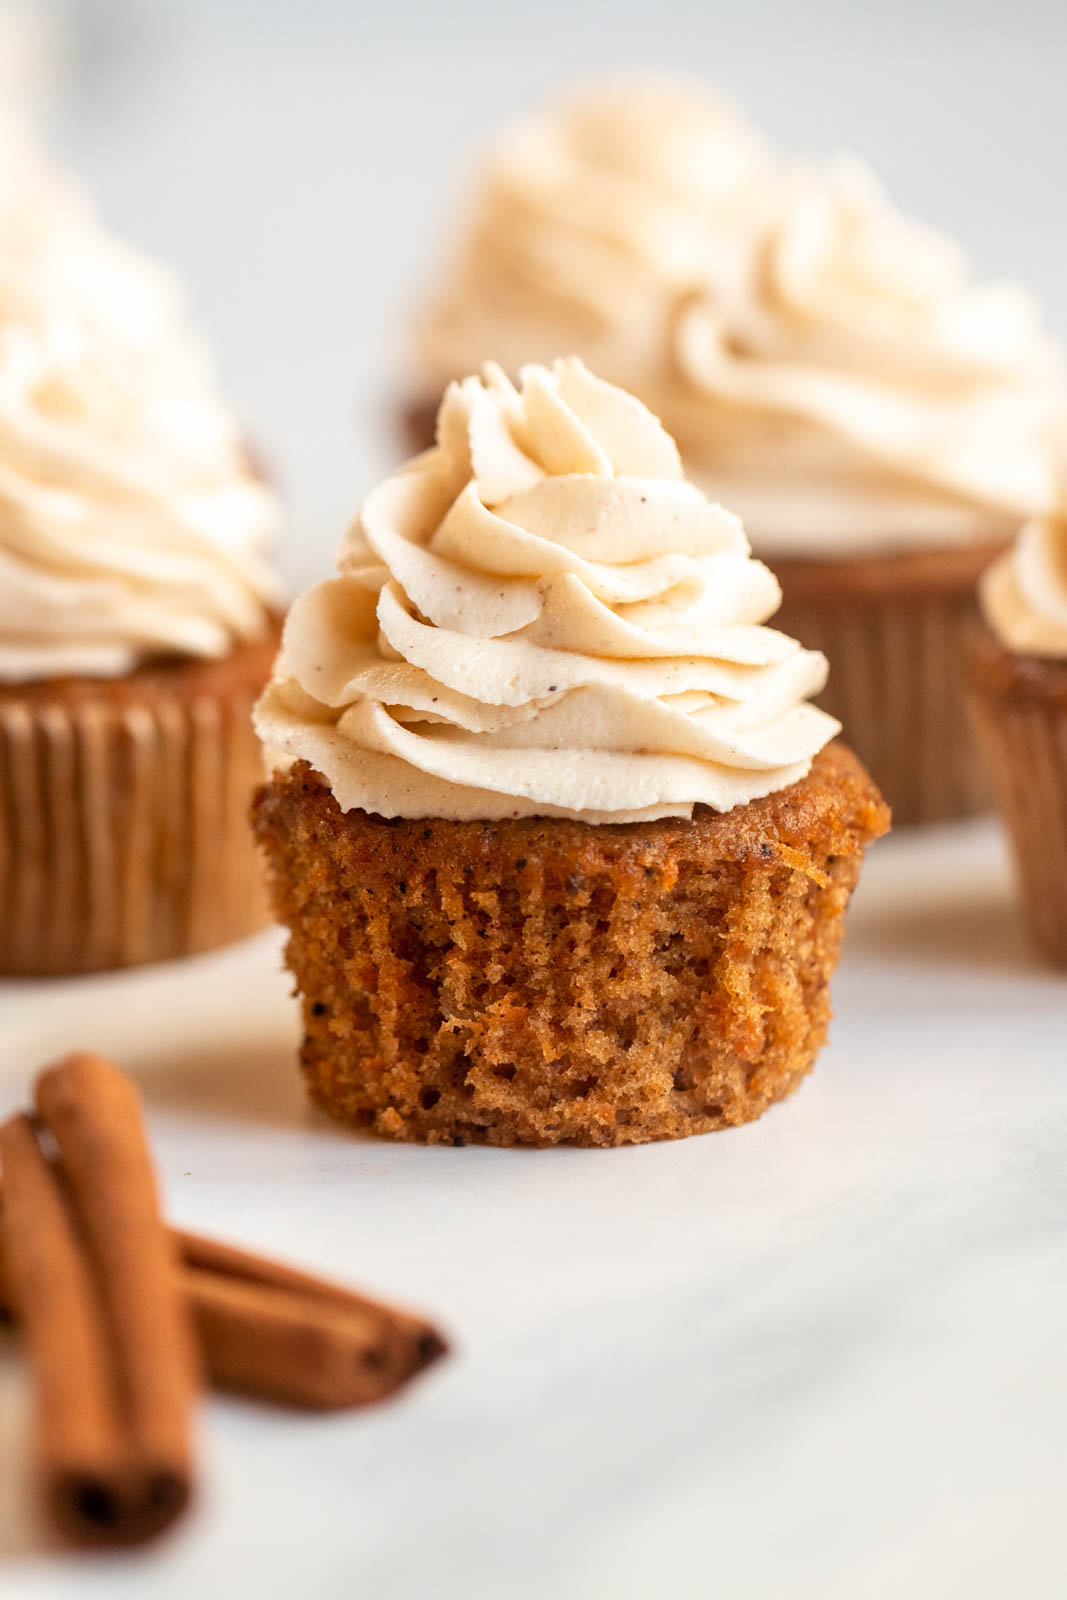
point(247, 1080)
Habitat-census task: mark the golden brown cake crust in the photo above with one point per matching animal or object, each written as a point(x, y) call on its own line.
point(542, 981)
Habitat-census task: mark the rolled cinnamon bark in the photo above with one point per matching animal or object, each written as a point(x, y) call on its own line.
point(107, 1308)
point(424, 1341)
point(94, 1115)
point(299, 1349)
point(294, 1349)
point(274, 1332)
point(100, 1484)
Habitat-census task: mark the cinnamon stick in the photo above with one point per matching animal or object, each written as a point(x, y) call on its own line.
point(279, 1334)
point(94, 1115)
point(108, 1298)
point(295, 1350)
point(213, 1256)
point(99, 1484)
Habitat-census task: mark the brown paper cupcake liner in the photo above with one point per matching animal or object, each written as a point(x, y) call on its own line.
point(1020, 718)
point(895, 634)
point(124, 832)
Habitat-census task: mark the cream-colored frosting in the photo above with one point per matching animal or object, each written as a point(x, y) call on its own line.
point(588, 220)
point(130, 523)
point(1024, 593)
point(539, 616)
point(845, 385)
point(827, 366)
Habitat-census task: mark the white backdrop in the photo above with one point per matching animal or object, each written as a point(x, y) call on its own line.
point(297, 160)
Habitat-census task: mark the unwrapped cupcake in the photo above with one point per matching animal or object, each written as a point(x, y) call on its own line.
point(136, 595)
point(562, 848)
point(1019, 698)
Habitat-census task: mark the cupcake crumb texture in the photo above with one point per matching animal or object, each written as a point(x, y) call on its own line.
point(537, 981)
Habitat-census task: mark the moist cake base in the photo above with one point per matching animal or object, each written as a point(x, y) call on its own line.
point(543, 981)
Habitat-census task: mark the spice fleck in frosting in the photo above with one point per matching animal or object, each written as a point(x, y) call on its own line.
point(540, 617)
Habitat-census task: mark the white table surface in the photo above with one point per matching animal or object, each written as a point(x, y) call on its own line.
point(821, 1356)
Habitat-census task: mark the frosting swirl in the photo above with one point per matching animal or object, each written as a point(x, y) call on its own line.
point(539, 616)
point(844, 383)
point(1024, 593)
point(588, 219)
point(827, 366)
point(130, 523)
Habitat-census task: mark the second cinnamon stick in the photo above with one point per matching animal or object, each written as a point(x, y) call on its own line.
point(296, 1350)
point(269, 1330)
point(212, 1258)
point(99, 1485)
point(94, 1115)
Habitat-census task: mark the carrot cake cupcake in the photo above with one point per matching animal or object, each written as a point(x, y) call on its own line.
point(827, 366)
point(562, 849)
point(136, 596)
point(1019, 698)
point(882, 425)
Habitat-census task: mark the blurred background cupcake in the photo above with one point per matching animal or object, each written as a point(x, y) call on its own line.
point(587, 221)
point(883, 425)
point(1019, 698)
point(828, 367)
point(136, 596)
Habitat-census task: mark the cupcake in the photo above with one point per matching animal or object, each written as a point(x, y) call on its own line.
point(136, 596)
point(1018, 676)
point(562, 849)
point(827, 366)
point(881, 424)
point(588, 219)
